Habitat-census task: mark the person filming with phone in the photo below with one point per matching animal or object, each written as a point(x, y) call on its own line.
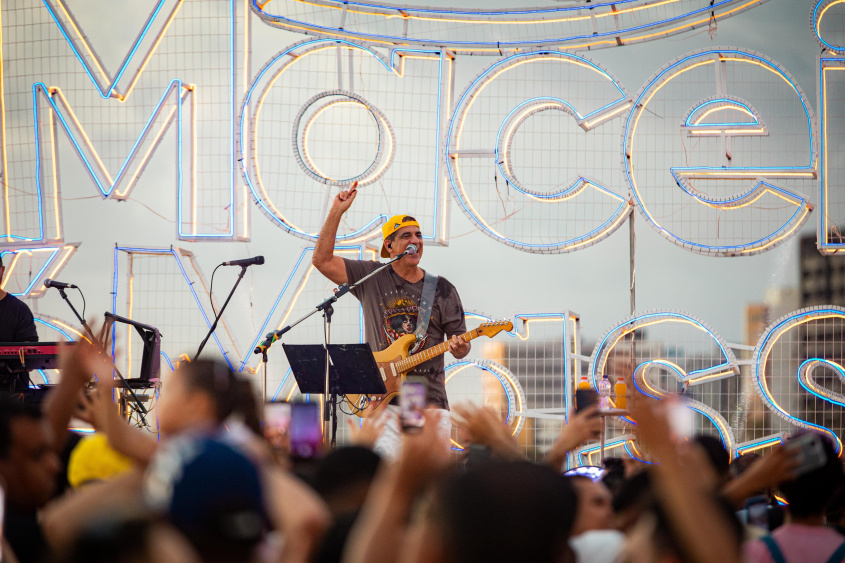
point(398, 301)
point(817, 474)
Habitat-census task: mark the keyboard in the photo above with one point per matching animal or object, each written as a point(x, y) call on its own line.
point(30, 355)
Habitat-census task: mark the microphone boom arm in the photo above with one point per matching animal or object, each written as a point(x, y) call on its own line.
point(338, 292)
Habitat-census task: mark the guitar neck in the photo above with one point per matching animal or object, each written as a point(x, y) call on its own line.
point(413, 361)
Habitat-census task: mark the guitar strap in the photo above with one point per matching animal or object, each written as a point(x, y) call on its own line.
point(426, 303)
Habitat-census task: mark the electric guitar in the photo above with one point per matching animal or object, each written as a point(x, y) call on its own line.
point(394, 362)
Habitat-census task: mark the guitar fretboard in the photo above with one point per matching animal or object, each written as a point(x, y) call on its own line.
point(413, 361)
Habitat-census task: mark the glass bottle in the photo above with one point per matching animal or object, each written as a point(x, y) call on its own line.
point(604, 393)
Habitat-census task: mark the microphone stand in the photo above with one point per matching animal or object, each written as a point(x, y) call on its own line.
point(140, 406)
point(220, 313)
point(329, 415)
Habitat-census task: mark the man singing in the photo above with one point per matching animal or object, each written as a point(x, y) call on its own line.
point(392, 305)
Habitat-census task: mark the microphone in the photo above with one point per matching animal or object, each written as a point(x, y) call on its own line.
point(268, 341)
point(410, 249)
point(58, 285)
point(257, 261)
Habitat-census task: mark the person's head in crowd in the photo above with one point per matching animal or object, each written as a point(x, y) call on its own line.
point(632, 466)
point(203, 394)
point(28, 461)
point(809, 494)
point(719, 457)
point(595, 511)
point(505, 512)
point(344, 476)
point(742, 463)
point(614, 473)
point(128, 538)
point(93, 460)
point(653, 538)
point(836, 510)
point(212, 494)
point(632, 498)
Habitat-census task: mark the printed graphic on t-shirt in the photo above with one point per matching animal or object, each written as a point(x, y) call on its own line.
point(400, 318)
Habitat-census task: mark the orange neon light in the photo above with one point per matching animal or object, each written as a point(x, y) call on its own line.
point(605, 117)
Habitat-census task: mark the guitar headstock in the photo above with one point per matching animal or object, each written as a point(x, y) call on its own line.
point(494, 328)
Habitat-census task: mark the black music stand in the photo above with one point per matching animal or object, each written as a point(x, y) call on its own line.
point(353, 370)
point(150, 363)
point(151, 356)
point(308, 363)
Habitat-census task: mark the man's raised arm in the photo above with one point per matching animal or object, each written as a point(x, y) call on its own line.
point(324, 259)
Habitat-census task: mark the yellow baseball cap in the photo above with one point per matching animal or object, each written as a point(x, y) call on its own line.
point(94, 460)
point(394, 224)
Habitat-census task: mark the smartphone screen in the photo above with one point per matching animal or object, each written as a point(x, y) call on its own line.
point(306, 430)
point(755, 512)
point(412, 403)
point(276, 422)
point(681, 418)
point(758, 515)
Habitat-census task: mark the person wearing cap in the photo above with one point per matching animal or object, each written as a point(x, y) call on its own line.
point(391, 303)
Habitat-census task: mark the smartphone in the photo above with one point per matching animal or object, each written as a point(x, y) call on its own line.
point(585, 398)
point(306, 430)
point(276, 422)
point(681, 418)
point(758, 514)
point(811, 454)
point(758, 511)
point(412, 403)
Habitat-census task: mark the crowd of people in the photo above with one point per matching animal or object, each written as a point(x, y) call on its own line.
point(212, 488)
point(218, 484)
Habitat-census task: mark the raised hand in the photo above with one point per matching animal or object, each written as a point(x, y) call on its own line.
point(370, 429)
point(771, 470)
point(582, 427)
point(78, 365)
point(424, 453)
point(343, 201)
point(91, 408)
point(486, 428)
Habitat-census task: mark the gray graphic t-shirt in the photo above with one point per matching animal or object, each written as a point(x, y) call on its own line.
point(391, 305)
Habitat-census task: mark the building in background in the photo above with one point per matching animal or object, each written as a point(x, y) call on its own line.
point(822, 283)
point(822, 280)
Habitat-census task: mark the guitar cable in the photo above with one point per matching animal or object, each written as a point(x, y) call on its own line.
point(355, 410)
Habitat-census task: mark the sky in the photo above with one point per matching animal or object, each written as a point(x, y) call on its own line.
point(492, 278)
